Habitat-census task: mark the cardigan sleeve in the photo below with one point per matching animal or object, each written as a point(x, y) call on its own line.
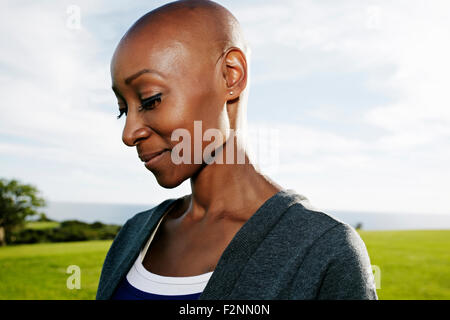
point(339, 266)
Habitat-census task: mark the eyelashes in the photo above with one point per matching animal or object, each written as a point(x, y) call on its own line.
point(147, 104)
point(151, 103)
point(122, 111)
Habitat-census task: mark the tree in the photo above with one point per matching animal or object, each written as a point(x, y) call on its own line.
point(17, 202)
point(43, 218)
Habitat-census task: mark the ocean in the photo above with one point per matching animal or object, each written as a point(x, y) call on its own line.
point(120, 213)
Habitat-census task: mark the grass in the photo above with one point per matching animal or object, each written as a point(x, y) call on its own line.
point(414, 265)
point(38, 271)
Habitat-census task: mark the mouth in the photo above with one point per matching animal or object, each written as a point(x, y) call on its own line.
point(151, 159)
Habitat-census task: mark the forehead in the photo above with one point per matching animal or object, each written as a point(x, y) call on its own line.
point(136, 53)
point(167, 51)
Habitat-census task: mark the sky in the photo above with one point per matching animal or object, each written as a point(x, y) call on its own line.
point(355, 92)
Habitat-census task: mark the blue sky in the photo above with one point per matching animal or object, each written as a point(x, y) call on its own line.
point(357, 91)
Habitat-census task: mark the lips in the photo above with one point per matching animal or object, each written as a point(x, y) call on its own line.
point(148, 156)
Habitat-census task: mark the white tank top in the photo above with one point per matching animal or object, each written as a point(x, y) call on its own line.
point(146, 281)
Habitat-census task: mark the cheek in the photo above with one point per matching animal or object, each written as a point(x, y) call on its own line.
point(199, 105)
point(209, 108)
point(183, 116)
point(189, 101)
point(213, 115)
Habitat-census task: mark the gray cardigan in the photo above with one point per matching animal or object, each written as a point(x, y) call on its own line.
point(286, 250)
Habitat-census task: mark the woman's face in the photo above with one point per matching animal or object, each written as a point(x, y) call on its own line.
point(186, 84)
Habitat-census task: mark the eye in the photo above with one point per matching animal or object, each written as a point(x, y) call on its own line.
point(122, 111)
point(151, 103)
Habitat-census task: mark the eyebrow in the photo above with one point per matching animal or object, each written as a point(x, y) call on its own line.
point(139, 73)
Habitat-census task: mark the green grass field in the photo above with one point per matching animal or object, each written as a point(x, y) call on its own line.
point(38, 271)
point(414, 265)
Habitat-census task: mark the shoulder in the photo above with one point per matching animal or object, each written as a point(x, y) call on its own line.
point(303, 227)
point(323, 230)
point(346, 268)
point(132, 227)
point(301, 221)
point(141, 219)
point(335, 261)
point(126, 244)
point(135, 229)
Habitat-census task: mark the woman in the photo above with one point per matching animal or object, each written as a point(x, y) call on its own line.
point(182, 70)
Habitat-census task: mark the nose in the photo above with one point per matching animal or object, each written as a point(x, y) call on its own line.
point(134, 131)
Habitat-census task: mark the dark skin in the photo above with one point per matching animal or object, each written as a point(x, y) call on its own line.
point(198, 54)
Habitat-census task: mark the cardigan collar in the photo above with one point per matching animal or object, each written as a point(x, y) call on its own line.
point(128, 257)
point(245, 242)
point(235, 255)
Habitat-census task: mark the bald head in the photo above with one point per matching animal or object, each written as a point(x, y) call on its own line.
point(203, 24)
point(200, 29)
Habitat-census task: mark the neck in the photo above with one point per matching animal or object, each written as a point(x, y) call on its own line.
point(229, 190)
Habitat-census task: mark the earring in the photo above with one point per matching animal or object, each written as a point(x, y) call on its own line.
point(231, 92)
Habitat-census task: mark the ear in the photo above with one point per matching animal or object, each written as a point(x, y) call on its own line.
point(234, 70)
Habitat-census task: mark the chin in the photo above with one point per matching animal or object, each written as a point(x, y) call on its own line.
point(169, 184)
point(173, 177)
point(168, 181)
